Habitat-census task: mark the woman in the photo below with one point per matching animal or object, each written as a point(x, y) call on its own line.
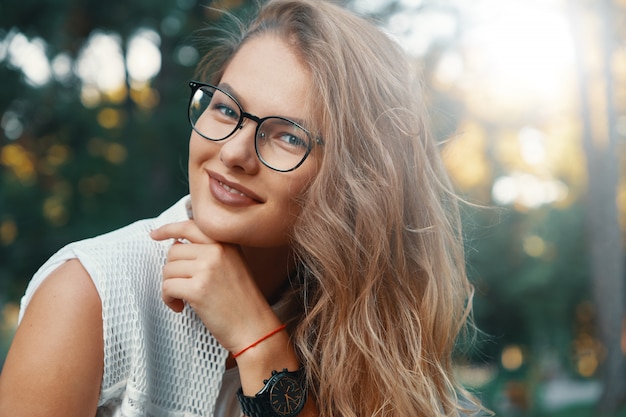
point(318, 202)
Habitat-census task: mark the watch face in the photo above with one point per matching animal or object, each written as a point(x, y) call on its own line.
point(287, 397)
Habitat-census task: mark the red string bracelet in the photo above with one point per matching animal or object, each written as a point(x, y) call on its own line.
point(267, 336)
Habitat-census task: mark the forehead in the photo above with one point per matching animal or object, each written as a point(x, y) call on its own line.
point(269, 78)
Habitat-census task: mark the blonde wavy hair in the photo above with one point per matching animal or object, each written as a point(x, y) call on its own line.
point(382, 284)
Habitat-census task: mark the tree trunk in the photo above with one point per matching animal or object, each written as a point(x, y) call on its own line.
point(603, 228)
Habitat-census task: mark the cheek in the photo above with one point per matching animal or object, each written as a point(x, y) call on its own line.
point(193, 147)
point(201, 149)
point(296, 193)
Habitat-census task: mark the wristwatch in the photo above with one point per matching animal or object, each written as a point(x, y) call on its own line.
point(283, 395)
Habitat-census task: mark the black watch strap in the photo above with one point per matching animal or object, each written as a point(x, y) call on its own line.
point(272, 400)
point(254, 407)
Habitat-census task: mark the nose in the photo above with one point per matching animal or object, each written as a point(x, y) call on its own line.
point(238, 152)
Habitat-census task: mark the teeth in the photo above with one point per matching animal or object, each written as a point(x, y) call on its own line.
point(231, 190)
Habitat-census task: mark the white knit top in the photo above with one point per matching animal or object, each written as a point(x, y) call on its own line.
point(156, 362)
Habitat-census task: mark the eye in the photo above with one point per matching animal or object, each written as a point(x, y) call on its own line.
point(293, 140)
point(227, 111)
point(221, 106)
point(284, 134)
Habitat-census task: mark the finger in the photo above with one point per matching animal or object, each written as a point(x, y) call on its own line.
point(181, 230)
point(175, 304)
point(180, 251)
point(179, 268)
point(176, 230)
point(191, 251)
point(174, 292)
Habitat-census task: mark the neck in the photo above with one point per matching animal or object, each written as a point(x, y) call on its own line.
point(270, 268)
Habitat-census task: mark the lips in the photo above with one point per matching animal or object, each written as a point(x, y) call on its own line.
point(231, 193)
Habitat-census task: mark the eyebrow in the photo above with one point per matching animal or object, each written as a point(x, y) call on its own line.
point(230, 90)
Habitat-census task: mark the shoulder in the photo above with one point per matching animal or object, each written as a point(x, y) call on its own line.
point(54, 365)
point(70, 281)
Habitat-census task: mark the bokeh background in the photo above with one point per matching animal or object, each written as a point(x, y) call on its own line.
point(528, 99)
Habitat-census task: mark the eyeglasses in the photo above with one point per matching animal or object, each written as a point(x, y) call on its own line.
point(281, 144)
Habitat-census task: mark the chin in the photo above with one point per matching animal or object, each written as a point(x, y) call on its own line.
point(243, 230)
point(218, 232)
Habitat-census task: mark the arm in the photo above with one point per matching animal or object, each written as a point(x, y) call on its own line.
point(55, 363)
point(216, 281)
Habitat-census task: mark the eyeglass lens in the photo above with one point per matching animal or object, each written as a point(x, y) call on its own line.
point(280, 143)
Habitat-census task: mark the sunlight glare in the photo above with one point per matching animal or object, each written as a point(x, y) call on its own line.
point(411, 3)
point(369, 6)
point(449, 69)
point(532, 146)
point(418, 31)
point(522, 47)
point(527, 190)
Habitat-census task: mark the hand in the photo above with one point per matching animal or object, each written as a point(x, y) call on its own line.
point(213, 278)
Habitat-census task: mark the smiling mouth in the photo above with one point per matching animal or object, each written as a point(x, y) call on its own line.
point(231, 190)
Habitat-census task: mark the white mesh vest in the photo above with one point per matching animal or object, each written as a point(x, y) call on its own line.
point(156, 362)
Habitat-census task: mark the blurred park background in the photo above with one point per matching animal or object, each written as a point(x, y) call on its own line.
point(528, 98)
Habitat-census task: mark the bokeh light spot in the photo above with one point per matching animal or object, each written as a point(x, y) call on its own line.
point(19, 161)
point(145, 97)
point(30, 57)
point(11, 125)
point(512, 357)
point(8, 232)
point(534, 246)
point(109, 118)
point(54, 210)
point(143, 59)
point(115, 153)
point(57, 154)
point(96, 184)
point(186, 55)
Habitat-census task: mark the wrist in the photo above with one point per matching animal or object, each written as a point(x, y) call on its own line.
point(257, 364)
point(261, 340)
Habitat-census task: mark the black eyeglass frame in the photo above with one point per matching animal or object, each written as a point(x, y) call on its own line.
point(196, 85)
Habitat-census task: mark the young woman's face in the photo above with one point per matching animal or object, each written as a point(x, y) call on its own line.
point(235, 198)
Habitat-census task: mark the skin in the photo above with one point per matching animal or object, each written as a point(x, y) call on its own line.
point(54, 365)
point(237, 258)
